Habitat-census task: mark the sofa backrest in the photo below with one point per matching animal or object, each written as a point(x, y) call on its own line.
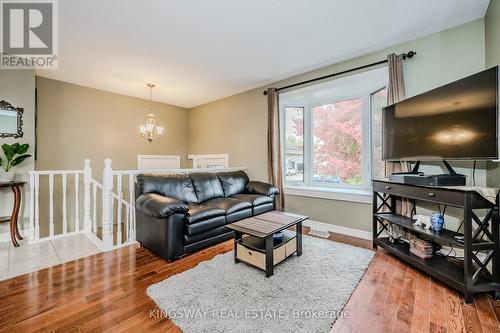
point(195, 187)
point(178, 186)
point(233, 182)
point(207, 186)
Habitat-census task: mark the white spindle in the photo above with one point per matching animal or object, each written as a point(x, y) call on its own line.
point(64, 217)
point(107, 205)
point(87, 179)
point(131, 191)
point(94, 208)
point(113, 219)
point(127, 223)
point(32, 207)
point(51, 205)
point(37, 207)
point(119, 210)
point(77, 203)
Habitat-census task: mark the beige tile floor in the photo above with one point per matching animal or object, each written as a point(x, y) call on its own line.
point(28, 258)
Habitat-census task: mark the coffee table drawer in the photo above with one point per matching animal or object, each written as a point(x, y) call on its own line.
point(421, 193)
point(258, 259)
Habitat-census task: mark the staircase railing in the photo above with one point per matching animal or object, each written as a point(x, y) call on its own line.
point(108, 215)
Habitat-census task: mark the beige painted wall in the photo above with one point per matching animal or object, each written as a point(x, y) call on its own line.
point(237, 125)
point(18, 88)
point(76, 122)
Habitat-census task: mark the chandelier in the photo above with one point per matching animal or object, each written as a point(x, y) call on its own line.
point(149, 130)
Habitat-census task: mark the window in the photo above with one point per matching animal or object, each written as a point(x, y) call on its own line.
point(337, 142)
point(294, 144)
point(378, 100)
point(333, 132)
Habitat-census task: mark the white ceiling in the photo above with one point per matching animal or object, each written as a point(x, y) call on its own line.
point(197, 51)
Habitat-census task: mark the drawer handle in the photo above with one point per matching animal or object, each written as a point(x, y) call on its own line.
point(250, 253)
point(388, 187)
point(431, 194)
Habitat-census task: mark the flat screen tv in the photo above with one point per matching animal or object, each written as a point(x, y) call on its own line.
point(458, 121)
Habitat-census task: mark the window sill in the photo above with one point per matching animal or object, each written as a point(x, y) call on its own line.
point(342, 194)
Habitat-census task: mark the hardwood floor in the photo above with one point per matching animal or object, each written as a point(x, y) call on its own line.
point(106, 293)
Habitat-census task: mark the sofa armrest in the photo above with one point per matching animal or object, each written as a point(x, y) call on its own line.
point(254, 187)
point(158, 206)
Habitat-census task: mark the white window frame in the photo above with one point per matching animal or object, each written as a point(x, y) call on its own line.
point(345, 192)
point(371, 127)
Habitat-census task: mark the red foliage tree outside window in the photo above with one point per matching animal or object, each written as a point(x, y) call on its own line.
point(337, 142)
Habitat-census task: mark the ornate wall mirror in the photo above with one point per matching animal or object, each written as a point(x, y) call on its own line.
point(11, 120)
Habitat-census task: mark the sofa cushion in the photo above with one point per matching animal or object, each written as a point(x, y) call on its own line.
point(233, 182)
point(177, 186)
point(190, 239)
point(263, 208)
point(239, 215)
point(255, 199)
point(205, 225)
point(228, 205)
point(207, 186)
point(198, 213)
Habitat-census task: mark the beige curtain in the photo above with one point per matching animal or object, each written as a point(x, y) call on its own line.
point(395, 93)
point(274, 162)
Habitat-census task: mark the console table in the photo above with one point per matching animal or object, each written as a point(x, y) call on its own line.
point(14, 230)
point(470, 277)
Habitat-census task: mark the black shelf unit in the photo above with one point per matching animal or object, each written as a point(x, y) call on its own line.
point(472, 275)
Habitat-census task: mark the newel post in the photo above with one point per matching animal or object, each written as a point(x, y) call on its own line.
point(87, 182)
point(107, 202)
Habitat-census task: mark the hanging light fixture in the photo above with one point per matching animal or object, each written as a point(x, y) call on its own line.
point(149, 130)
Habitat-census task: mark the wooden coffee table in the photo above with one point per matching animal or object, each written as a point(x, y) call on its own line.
point(254, 244)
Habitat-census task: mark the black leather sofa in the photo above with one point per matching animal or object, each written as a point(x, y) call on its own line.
point(179, 214)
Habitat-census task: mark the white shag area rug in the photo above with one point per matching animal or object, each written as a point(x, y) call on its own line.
point(305, 294)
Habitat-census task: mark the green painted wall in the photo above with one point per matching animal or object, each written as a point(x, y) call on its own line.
point(492, 33)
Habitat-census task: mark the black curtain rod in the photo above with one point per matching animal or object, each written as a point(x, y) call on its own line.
point(408, 55)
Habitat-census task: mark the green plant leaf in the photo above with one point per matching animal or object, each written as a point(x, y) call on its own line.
point(15, 147)
point(8, 151)
point(19, 159)
point(23, 148)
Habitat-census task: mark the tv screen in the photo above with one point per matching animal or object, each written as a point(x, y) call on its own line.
point(458, 121)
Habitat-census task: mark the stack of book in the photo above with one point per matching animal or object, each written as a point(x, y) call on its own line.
point(421, 248)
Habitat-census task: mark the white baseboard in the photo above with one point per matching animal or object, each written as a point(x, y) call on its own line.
point(339, 229)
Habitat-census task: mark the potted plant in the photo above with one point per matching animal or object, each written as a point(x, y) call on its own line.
point(14, 155)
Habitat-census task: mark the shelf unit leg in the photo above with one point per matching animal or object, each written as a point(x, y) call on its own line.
point(468, 298)
point(496, 236)
point(374, 220)
point(468, 268)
